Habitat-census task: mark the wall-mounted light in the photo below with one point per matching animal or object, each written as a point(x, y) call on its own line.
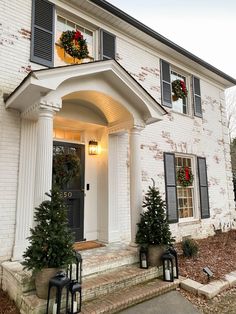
point(93, 148)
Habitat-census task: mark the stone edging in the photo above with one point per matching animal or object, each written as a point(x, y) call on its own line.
point(211, 289)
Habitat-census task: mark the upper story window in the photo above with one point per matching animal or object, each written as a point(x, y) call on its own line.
point(180, 104)
point(191, 104)
point(47, 27)
point(63, 25)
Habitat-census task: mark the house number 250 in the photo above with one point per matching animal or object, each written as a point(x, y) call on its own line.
point(67, 194)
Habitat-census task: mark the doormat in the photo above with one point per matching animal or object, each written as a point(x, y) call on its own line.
point(87, 245)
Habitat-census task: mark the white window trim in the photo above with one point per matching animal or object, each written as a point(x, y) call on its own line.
point(196, 208)
point(190, 111)
point(81, 22)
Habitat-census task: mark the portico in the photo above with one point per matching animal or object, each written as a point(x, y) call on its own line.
point(101, 101)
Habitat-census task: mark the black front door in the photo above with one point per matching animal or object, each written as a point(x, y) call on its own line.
point(74, 191)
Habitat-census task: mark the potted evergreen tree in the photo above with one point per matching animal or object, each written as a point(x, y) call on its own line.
point(51, 241)
point(153, 228)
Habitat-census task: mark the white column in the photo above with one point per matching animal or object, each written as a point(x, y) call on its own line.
point(135, 181)
point(113, 189)
point(43, 171)
point(25, 196)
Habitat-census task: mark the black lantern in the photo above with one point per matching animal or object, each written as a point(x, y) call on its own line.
point(168, 266)
point(74, 297)
point(175, 267)
point(59, 282)
point(143, 257)
point(74, 292)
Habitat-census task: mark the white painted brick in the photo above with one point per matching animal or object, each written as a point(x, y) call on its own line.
point(176, 135)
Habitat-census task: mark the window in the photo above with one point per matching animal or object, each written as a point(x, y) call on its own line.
point(179, 105)
point(185, 195)
point(181, 200)
point(192, 103)
point(47, 29)
point(65, 25)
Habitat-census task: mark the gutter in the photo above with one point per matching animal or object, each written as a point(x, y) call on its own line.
point(147, 30)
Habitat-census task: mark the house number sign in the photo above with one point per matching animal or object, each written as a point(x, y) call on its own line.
point(67, 194)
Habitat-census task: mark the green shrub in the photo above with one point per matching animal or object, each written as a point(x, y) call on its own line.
point(190, 248)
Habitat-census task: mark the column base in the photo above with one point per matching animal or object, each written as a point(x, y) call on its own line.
point(133, 246)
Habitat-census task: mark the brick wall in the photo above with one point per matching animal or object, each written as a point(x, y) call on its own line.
point(176, 133)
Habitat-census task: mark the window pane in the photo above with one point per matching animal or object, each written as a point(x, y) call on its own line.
point(179, 105)
point(65, 25)
point(184, 194)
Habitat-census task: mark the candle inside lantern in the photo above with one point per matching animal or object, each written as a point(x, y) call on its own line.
point(167, 274)
point(174, 271)
point(54, 310)
point(75, 307)
point(144, 263)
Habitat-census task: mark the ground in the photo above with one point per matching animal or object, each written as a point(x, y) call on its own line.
point(7, 306)
point(217, 252)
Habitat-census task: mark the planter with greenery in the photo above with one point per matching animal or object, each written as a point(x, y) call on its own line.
point(153, 228)
point(51, 241)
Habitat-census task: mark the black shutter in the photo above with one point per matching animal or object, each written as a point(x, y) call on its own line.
point(42, 37)
point(203, 187)
point(166, 84)
point(197, 97)
point(171, 193)
point(108, 45)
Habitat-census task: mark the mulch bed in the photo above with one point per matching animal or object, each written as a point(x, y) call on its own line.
point(6, 305)
point(217, 253)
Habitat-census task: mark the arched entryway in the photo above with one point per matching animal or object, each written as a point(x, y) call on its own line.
point(99, 101)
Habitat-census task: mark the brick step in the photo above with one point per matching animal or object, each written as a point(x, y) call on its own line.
point(104, 259)
point(126, 297)
point(119, 278)
point(17, 281)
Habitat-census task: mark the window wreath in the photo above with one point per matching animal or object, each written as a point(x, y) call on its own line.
point(66, 166)
point(74, 44)
point(184, 176)
point(179, 89)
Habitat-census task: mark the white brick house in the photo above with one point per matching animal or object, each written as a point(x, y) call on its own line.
point(125, 105)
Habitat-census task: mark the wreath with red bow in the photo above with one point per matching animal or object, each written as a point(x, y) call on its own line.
point(184, 176)
point(179, 89)
point(66, 166)
point(74, 44)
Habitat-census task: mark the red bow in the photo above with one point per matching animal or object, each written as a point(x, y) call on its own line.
point(78, 35)
point(187, 175)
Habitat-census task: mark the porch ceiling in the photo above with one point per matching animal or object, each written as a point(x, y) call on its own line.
point(104, 84)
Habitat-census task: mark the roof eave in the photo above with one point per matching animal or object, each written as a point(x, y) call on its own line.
point(137, 24)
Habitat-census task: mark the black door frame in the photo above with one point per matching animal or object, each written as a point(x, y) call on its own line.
point(81, 179)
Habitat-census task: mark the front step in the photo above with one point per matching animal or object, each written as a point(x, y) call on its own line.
point(124, 298)
point(119, 278)
point(110, 290)
point(108, 274)
point(107, 258)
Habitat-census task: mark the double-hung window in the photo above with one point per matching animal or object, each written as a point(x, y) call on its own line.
point(47, 27)
point(183, 201)
point(180, 104)
point(189, 105)
point(185, 195)
point(64, 24)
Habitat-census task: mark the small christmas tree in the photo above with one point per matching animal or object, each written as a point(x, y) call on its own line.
point(51, 241)
point(153, 227)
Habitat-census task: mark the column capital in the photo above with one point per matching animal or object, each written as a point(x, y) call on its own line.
point(42, 108)
point(136, 129)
